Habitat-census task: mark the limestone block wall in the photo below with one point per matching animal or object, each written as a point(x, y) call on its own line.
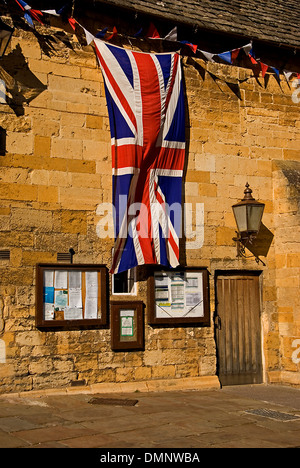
point(287, 258)
point(57, 170)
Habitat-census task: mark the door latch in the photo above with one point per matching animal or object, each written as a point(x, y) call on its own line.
point(217, 322)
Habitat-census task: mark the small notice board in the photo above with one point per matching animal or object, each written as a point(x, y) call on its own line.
point(127, 325)
point(178, 296)
point(71, 295)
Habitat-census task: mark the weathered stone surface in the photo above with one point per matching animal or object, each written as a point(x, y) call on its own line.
point(57, 170)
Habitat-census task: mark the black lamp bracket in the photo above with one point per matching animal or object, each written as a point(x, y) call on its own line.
point(241, 245)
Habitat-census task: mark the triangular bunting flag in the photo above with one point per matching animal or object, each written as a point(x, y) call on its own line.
point(287, 75)
point(247, 48)
point(114, 33)
point(72, 23)
point(252, 59)
point(208, 55)
point(50, 12)
point(230, 56)
point(63, 9)
point(172, 35)
point(89, 37)
point(226, 56)
point(23, 5)
point(234, 54)
point(35, 14)
point(29, 13)
point(139, 33)
point(194, 47)
point(101, 34)
point(276, 71)
point(28, 19)
point(152, 32)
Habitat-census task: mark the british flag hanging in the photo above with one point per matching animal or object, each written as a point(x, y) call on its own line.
point(145, 100)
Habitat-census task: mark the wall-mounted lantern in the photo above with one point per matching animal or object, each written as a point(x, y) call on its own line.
point(248, 214)
point(5, 36)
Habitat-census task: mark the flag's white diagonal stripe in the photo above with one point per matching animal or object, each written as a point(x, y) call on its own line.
point(170, 111)
point(119, 104)
point(117, 72)
point(138, 104)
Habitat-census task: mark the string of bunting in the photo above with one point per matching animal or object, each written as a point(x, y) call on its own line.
point(229, 56)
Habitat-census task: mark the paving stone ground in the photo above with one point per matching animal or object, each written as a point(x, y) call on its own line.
point(183, 419)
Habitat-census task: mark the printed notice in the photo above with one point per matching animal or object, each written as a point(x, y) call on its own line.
point(61, 299)
point(91, 280)
point(61, 279)
point(191, 282)
point(75, 279)
point(91, 295)
point(48, 278)
point(49, 294)
point(48, 311)
point(192, 299)
point(162, 295)
point(91, 308)
point(75, 297)
point(161, 281)
point(177, 291)
point(126, 317)
point(126, 326)
point(73, 313)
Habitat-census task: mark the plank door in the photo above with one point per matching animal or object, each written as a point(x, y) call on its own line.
point(238, 329)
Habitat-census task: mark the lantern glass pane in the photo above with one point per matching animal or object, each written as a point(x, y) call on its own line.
point(240, 214)
point(254, 215)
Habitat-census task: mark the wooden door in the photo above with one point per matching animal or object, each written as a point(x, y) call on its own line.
point(238, 329)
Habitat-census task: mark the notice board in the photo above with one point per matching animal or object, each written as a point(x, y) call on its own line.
point(178, 296)
point(71, 295)
point(127, 325)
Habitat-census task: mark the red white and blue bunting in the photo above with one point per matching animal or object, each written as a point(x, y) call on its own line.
point(229, 57)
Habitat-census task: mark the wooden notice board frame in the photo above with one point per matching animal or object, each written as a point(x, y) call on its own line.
point(193, 284)
point(127, 325)
point(48, 313)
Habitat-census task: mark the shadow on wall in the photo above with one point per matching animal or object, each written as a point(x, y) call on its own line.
point(291, 171)
point(2, 141)
point(233, 83)
point(262, 243)
point(22, 86)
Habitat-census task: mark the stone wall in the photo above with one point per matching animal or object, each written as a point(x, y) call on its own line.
point(286, 179)
point(57, 170)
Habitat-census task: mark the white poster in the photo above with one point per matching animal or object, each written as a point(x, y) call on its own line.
point(61, 279)
point(179, 294)
point(91, 295)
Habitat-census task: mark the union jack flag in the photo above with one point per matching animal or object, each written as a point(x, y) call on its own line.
point(145, 100)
